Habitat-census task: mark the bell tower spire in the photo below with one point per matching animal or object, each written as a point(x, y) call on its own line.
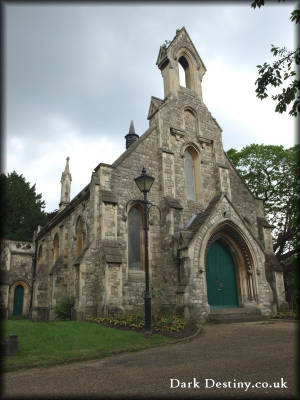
point(65, 186)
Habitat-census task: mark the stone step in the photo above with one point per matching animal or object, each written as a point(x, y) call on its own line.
point(237, 310)
point(229, 315)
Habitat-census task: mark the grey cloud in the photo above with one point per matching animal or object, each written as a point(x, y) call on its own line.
point(91, 62)
point(94, 65)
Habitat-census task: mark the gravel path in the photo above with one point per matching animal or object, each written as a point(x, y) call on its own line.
point(224, 354)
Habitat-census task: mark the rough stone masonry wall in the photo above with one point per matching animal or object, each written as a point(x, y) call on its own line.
point(69, 276)
point(244, 201)
point(82, 269)
point(146, 154)
point(205, 134)
point(202, 131)
point(16, 268)
point(51, 278)
point(216, 174)
point(161, 153)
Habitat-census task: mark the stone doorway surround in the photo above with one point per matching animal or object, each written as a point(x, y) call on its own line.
point(254, 292)
point(26, 297)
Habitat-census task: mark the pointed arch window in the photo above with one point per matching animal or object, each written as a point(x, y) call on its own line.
point(135, 238)
point(40, 255)
point(80, 237)
point(56, 247)
point(191, 172)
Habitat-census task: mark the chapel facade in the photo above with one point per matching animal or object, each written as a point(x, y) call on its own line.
point(210, 245)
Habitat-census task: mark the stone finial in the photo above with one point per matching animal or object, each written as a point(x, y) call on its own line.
point(67, 171)
point(66, 179)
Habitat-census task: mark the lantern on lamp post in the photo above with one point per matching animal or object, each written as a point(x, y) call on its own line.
point(144, 183)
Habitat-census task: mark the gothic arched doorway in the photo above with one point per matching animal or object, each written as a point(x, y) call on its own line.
point(18, 300)
point(221, 277)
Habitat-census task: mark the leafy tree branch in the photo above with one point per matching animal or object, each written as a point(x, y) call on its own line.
point(272, 174)
point(21, 208)
point(280, 74)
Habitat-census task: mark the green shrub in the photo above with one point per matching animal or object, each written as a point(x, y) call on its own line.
point(63, 308)
point(160, 323)
point(287, 315)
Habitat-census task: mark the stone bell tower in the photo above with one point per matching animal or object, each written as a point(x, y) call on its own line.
point(65, 186)
point(180, 51)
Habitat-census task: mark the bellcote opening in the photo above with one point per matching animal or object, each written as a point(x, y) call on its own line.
point(181, 71)
point(184, 73)
point(184, 65)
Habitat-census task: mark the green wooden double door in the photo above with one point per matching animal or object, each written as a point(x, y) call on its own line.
point(221, 277)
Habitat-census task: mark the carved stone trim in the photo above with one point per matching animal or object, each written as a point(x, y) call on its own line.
point(222, 166)
point(164, 150)
point(185, 50)
point(177, 132)
point(204, 139)
point(189, 144)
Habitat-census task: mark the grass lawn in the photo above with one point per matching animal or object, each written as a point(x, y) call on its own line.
point(46, 343)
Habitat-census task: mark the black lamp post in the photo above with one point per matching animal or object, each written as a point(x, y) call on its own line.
point(144, 183)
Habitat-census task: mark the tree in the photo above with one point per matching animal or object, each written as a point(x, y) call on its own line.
point(21, 207)
point(272, 174)
point(280, 74)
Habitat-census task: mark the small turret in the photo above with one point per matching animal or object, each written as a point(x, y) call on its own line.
point(65, 186)
point(131, 136)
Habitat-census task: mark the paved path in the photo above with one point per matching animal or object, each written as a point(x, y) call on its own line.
point(242, 352)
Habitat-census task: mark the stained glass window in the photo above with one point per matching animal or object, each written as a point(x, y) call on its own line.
point(134, 238)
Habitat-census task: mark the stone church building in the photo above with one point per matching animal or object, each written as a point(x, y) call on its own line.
point(210, 246)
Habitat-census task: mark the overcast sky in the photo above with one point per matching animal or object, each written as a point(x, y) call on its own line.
point(76, 74)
